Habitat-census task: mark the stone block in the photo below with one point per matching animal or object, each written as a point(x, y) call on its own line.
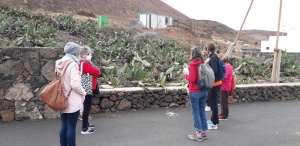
point(48, 53)
point(7, 116)
point(95, 109)
point(124, 105)
point(27, 111)
point(51, 114)
point(48, 70)
point(19, 91)
point(106, 104)
point(31, 62)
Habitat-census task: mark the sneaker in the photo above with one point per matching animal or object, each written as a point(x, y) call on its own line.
point(203, 134)
point(88, 131)
point(80, 118)
point(195, 137)
point(91, 126)
point(212, 126)
point(209, 122)
point(207, 108)
point(221, 117)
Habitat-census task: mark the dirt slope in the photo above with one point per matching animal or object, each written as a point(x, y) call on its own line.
point(120, 11)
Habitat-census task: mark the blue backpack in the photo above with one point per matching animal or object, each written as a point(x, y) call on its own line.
point(221, 70)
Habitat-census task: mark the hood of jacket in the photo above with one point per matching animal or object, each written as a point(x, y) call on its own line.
point(61, 63)
point(195, 63)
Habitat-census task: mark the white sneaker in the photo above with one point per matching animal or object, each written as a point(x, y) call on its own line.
point(194, 137)
point(212, 126)
point(207, 108)
point(88, 131)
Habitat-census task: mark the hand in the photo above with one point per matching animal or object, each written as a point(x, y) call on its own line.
point(185, 71)
point(207, 61)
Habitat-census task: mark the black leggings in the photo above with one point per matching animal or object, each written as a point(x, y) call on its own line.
point(86, 111)
point(213, 102)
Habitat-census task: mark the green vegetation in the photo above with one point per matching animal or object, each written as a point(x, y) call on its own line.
point(121, 57)
point(125, 56)
point(248, 71)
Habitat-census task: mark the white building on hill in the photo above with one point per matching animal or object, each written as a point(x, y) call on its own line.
point(155, 21)
point(289, 43)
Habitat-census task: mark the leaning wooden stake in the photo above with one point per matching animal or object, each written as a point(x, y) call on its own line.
point(231, 46)
point(277, 60)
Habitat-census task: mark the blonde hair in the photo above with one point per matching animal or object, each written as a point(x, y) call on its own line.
point(204, 55)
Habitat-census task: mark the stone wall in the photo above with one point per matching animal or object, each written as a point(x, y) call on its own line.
point(119, 99)
point(25, 71)
point(268, 92)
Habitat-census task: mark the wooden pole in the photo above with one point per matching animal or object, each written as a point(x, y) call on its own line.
point(231, 46)
point(276, 64)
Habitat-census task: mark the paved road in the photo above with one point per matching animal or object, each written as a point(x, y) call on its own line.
point(249, 124)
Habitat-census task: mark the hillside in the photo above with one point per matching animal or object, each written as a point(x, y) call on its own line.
point(260, 34)
point(124, 11)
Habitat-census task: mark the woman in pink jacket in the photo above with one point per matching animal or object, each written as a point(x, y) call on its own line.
point(72, 88)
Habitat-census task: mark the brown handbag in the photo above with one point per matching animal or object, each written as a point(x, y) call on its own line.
point(53, 94)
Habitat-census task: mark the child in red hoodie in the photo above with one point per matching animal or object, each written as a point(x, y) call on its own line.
point(197, 97)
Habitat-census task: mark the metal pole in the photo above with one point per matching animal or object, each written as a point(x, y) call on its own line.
point(276, 64)
point(231, 46)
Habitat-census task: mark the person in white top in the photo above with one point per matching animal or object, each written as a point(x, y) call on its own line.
point(71, 85)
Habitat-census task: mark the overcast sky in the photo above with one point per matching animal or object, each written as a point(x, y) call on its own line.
point(263, 14)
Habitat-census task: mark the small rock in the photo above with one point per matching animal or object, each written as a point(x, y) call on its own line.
point(154, 106)
point(124, 104)
point(121, 94)
point(173, 105)
point(113, 109)
point(95, 109)
point(95, 100)
point(140, 105)
point(168, 99)
point(147, 104)
point(113, 98)
point(7, 116)
point(106, 104)
point(164, 104)
point(134, 101)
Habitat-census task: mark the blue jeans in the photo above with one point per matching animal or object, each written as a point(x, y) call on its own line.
point(198, 103)
point(67, 132)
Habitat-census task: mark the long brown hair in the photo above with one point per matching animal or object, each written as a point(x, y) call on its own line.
point(196, 54)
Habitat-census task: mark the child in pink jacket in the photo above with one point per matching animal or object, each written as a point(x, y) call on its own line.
point(226, 89)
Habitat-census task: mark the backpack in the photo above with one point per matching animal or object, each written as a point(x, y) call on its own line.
point(206, 76)
point(53, 94)
point(221, 70)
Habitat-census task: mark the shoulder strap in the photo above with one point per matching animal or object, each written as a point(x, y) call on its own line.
point(81, 67)
point(64, 71)
point(65, 68)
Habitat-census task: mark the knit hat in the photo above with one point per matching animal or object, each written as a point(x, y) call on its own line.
point(72, 48)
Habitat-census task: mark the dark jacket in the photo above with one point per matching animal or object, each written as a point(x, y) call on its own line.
point(214, 64)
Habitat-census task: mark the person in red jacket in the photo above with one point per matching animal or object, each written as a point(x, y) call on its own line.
point(87, 67)
point(197, 97)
